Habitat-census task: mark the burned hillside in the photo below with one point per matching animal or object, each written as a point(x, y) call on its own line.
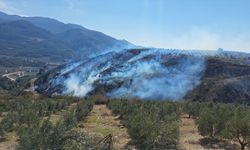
point(154, 74)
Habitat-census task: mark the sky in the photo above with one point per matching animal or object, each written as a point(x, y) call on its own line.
point(180, 24)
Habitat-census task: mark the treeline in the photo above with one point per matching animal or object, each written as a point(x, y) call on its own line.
point(151, 124)
point(20, 108)
point(27, 118)
point(17, 62)
point(14, 87)
point(221, 121)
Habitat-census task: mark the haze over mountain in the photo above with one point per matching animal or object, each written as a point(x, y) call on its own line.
point(45, 37)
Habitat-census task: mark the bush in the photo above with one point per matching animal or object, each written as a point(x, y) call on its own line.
point(238, 127)
point(7, 123)
point(46, 135)
point(75, 140)
point(191, 108)
point(225, 121)
point(151, 124)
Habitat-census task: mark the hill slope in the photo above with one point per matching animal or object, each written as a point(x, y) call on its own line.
point(86, 41)
point(153, 74)
point(46, 37)
point(224, 80)
point(23, 39)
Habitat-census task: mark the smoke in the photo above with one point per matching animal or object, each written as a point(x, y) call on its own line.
point(77, 87)
point(70, 67)
point(207, 39)
point(119, 46)
point(154, 74)
point(152, 80)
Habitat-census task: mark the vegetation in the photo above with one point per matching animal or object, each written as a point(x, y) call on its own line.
point(238, 126)
point(151, 124)
point(17, 62)
point(221, 121)
point(14, 87)
point(74, 140)
point(7, 84)
point(30, 118)
point(49, 136)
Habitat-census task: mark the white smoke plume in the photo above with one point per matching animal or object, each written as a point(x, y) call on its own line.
point(152, 80)
point(155, 74)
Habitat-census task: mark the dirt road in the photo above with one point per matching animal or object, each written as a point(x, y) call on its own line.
point(14, 75)
point(190, 139)
point(102, 122)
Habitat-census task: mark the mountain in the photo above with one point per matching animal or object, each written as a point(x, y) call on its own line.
point(48, 24)
point(4, 17)
point(86, 41)
point(23, 39)
point(49, 38)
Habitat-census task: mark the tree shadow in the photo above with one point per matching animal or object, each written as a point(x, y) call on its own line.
point(129, 146)
point(210, 143)
point(2, 139)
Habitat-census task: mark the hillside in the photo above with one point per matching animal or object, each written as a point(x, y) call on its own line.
point(86, 42)
point(49, 24)
point(41, 37)
point(153, 74)
point(224, 80)
point(21, 38)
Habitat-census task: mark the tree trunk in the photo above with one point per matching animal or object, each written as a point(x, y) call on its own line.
point(243, 145)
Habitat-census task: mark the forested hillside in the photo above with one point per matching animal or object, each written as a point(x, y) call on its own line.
point(38, 37)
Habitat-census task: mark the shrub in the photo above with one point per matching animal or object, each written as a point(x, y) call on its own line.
point(75, 140)
point(151, 124)
point(238, 127)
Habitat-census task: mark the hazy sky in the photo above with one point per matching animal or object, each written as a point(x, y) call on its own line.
point(185, 24)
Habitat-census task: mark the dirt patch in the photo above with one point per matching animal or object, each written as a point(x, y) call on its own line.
point(9, 142)
point(102, 122)
point(189, 136)
point(190, 139)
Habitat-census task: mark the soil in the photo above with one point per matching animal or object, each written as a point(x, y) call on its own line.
point(102, 122)
point(190, 139)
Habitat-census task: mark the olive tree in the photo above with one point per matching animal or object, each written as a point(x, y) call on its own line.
point(238, 128)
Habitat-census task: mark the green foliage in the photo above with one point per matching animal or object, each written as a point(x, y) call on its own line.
point(151, 124)
point(224, 121)
point(14, 87)
point(16, 62)
point(30, 118)
point(24, 113)
point(75, 140)
point(238, 127)
point(46, 135)
point(7, 123)
point(7, 84)
point(207, 122)
point(191, 108)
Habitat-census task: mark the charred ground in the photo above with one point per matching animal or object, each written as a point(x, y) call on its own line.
point(220, 77)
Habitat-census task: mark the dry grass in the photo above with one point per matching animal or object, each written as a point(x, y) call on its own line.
point(102, 122)
point(189, 137)
point(9, 142)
